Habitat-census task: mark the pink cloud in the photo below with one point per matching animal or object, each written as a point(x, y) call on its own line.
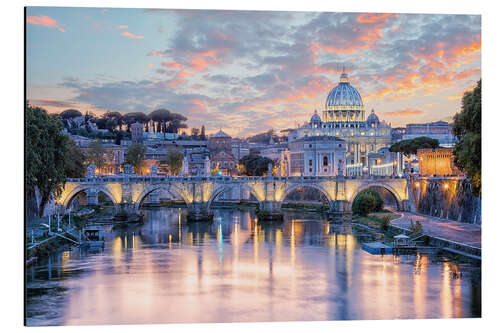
point(122, 26)
point(45, 21)
point(131, 35)
point(405, 112)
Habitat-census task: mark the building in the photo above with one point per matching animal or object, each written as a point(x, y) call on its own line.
point(224, 163)
point(316, 156)
point(194, 161)
point(137, 132)
point(219, 141)
point(437, 162)
point(385, 163)
point(239, 148)
point(274, 152)
point(439, 130)
point(344, 117)
point(222, 160)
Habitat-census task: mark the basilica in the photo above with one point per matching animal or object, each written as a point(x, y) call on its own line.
point(344, 117)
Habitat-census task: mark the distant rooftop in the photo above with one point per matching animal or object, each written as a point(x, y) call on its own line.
point(220, 134)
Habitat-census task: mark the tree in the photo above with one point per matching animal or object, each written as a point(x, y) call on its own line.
point(363, 204)
point(74, 160)
point(254, 165)
point(203, 135)
point(136, 154)
point(411, 146)
point(467, 129)
point(70, 113)
point(45, 151)
point(173, 160)
point(112, 120)
point(195, 132)
point(133, 117)
point(167, 122)
point(96, 154)
point(367, 201)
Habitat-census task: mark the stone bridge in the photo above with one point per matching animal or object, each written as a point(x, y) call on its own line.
point(199, 192)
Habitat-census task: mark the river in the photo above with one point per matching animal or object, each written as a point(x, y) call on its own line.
point(238, 270)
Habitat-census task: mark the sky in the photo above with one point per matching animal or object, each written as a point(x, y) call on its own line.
point(249, 71)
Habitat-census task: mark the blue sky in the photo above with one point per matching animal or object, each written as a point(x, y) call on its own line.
point(247, 72)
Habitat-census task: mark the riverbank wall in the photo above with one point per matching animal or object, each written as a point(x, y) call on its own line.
point(447, 198)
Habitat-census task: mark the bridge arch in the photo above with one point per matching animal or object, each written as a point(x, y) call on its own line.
point(168, 187)
point(291, 188)
point(68, 198)
point(387, 187)
point(226, 187)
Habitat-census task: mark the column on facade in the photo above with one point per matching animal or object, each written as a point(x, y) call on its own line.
point(318, 163)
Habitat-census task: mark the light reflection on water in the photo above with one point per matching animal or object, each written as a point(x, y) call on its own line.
point(237, 269)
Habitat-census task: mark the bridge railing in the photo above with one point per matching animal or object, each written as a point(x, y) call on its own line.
point(124, 179)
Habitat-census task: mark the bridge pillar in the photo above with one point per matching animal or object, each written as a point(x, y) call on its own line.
point(406, 206)
point(270, 211)
point(199, 212)
point(92, 197)
point(340, 212)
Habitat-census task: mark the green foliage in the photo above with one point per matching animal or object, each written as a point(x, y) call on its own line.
point(136, 154)
point(203, 136)
point(416, 228)
point(367, 201)
point(46, 155)
point(167, 122)
point(411, 146)
point(386, 222)
point(74, 159)
point(254, 165)
point(96, 154)
point(363, 204)
point(70, 113)
point(173, 161)
point(467, 128)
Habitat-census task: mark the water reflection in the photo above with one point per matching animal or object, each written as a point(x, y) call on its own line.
point(238, 269)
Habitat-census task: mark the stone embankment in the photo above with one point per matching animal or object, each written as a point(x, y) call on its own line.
point(445, 198)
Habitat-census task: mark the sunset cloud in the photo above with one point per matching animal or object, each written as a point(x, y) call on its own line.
point(45, 21)
point(248, 71)
point(405, 112)
point(131, 35)
point(372, 17)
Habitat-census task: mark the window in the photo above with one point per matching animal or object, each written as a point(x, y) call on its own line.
point(310, 162)
point(325, 160)
point(310, 170)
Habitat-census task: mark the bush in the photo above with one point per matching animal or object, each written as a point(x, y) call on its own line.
point(386, 222)
point(416, 228)
point(366, 202)
point(363, 204)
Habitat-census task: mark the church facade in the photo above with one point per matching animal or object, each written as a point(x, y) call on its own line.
point(344, 117)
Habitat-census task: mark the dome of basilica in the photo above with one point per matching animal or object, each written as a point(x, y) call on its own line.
point(344, 97)
point(372, 118)
point(315, 118)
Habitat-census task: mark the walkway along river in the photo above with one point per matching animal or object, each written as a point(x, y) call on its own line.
point(237, 269)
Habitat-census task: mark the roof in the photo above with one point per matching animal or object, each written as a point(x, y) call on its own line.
point(401, 236)
point(220, 134)
point(320, 138)
point(344, 96)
